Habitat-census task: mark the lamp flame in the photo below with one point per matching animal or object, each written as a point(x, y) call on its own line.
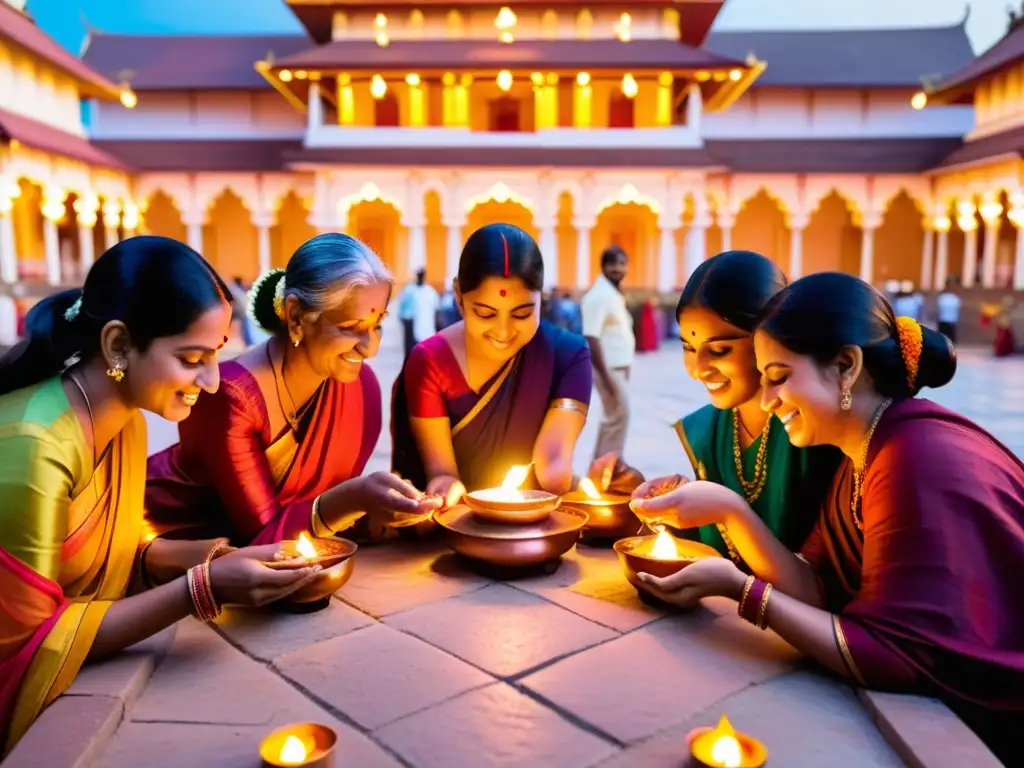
point(305, 548)
point(725, 750)
point(588, 487)
point(515, 478)
point(293, 751)
point(664, 546)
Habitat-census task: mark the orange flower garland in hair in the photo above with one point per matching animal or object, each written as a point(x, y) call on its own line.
point(911, 344)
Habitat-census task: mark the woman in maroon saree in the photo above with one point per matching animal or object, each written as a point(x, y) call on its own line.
point(280, 448)
point(499, 389)
point(908, 581)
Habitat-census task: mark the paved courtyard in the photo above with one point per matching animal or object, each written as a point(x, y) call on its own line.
point(422, 662)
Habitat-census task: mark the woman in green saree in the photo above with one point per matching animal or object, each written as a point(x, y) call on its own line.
point(733, 441)
point(142, 334)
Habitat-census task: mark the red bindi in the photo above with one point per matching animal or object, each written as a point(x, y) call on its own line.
point(372, 310)
point(502, 292)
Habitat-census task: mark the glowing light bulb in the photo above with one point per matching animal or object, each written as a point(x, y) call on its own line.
point(504, 80)
point(378, 88)
point(629, 86)
point(919, 100)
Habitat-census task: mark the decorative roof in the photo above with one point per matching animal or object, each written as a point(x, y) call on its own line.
point(184, 62)
point(850, 58)
point(317, 16)
point(19, 28)
point(484, 54)
point(754, 156)
point(958, 86)
point(1009, 143)
point(44, 137)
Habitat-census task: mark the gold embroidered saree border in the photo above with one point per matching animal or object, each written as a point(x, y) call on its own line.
point(484, 401)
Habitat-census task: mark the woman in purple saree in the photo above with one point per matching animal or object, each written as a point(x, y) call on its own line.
point(499, 389)
point(909, 580)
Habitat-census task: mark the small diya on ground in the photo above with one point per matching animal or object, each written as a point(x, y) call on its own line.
point(510, 505)
point(660, 555)
point(334, 556)
point(610, 517)
point(723, 747)
point(309, 745)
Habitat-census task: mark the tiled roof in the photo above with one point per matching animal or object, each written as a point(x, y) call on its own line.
point(986, 148)
point(19, 28)
point(846, 58)
point(958, 86)
point(253, 155)
point(32, 133)
point(912, 155)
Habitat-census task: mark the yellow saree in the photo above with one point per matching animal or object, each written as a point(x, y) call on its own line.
point(68, 540)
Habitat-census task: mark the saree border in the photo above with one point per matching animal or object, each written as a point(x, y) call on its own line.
point(844, 651)
point(484, 401)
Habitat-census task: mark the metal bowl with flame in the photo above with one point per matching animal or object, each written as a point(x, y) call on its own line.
point(511, 546)
point(609, 515)
point(309, 745)
point(508, 504)
point(660, 555)
point(334, 556)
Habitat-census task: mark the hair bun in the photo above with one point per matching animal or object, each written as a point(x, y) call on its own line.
point(938, 360)
point(261, 301)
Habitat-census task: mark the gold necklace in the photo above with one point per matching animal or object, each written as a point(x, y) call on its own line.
point(752, 488)
point(293, 422)
point(858, 474)
point(92, 420)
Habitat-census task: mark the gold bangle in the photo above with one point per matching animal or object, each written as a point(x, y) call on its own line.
point(746, 592)
point(317, 524)
point(762, 617)
point(568, 404)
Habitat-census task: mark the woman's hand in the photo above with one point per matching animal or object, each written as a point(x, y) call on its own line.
point(450, 489)
point(242, 577)
point(391, 502)
point(689, 505)
point(612, 475)
point(711, 577)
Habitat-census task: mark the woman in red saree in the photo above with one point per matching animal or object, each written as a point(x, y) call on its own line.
point(143, 333)
point(908, 582)
point(280, 449)
point(1005, 342)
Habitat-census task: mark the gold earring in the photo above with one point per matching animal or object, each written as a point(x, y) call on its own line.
point(846, 401)
point(116, 372)
point(296, 342)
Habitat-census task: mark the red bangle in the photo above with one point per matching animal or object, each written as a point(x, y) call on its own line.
point(750, 608)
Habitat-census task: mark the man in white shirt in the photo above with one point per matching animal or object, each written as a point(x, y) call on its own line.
point(948, 313)
point(608, 327)
point(417, 308)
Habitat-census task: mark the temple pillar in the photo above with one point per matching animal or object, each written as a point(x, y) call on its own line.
point(797, 225)
point(129, 219)
point(695, 243)
point(1016, 217)
point(86, 209)
point(8, 256)
point(315, 114)
point(111, 220)
point(726, 221)
point(869, 225)
point(992, 214)
point(193, 221)
point(548, 243)
point(667, 258)
point(927, 255)
point(323, 215)
point(942, 225)
point(583, 227)
point(453, 248)
point(53, 211)
point(263, 221)
point(417, 246)
point(965, 219)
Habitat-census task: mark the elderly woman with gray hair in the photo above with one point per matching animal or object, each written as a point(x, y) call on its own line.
point(280, 448)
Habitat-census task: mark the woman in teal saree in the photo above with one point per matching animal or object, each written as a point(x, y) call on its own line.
point(733, 441)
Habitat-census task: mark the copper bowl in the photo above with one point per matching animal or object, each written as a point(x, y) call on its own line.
point(317, 740)
point(518, 546)
point(634, 554)
point(609, 516)
point(532, 508)
point(334, 556)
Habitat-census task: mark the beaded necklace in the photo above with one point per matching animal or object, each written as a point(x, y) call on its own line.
point(752, 488)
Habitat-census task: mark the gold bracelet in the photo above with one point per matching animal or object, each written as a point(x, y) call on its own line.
point(568, 404)
point(317, 524)
point(762, 618)
point(746, 592)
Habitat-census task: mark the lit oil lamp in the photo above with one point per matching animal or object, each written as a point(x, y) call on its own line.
point(509, 503)
point(723, 747)
point(610, 517)
point(659, 555)
point(308, 745)
point(334, 556)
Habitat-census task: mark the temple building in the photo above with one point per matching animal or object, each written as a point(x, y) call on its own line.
point(890, 154)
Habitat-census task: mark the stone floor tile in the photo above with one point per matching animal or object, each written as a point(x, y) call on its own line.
point(395, 577)
point(805, 720)
point(264, 634)
point(590, 583)
point(926, 732)
point(500, 629)
point(178, 745)
point(203, 679)
point(71, 733)
point(493, 727)
point(378, 674)
point(661, 674)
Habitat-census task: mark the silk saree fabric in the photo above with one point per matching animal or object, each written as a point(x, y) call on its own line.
point(68, 540)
